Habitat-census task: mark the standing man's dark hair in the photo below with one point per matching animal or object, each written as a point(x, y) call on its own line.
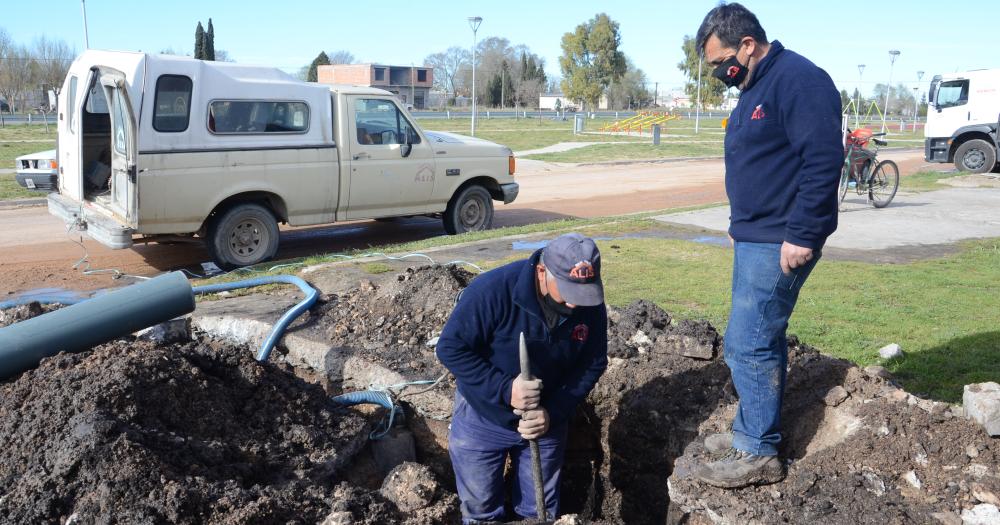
point(730, 23)
point(783, 157)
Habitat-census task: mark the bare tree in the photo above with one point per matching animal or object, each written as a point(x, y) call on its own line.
point(341, 57)
point(53, 58)
point(447, 66)
point(17, 73)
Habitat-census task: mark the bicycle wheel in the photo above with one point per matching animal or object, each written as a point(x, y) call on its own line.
point(845, 177)
point(883, 184)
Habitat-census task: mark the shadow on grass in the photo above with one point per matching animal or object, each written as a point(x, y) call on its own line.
point(940, 372)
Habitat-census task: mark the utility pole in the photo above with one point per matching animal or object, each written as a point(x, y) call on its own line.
point(86, 37)
point(697, 108)
point(413, 80)
point(916, 102)
point(474, 22)
point(656, 94)
point(857, 101)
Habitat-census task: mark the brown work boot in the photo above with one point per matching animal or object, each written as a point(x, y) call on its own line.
point(738, 469)
point(719, 443)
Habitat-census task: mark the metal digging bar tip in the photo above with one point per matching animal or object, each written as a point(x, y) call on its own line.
point(536, 458)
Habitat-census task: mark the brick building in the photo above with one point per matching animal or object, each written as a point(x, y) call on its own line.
point(411, 84)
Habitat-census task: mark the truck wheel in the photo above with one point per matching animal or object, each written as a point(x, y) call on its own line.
point(470, 210)
point(243, 235)
point(976, 156)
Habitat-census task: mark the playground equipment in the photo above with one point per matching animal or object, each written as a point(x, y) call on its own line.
point(644, 119)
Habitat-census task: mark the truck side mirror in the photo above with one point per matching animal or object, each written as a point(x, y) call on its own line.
point(406, 148)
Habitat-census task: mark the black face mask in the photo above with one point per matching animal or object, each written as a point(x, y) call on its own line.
point(730, 72)
point(557, 307)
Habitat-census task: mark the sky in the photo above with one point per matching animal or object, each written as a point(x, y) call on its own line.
point(935, 37)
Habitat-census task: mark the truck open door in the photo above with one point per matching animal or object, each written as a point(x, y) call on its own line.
point(124, 175)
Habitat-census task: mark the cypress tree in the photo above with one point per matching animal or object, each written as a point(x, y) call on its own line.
point(210, 42)
point(199, 42)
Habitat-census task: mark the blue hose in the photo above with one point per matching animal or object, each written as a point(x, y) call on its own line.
point(41, 299)
point(279, 328)
point(372, 397)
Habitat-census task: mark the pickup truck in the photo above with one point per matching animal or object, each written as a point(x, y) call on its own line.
point(156, 148)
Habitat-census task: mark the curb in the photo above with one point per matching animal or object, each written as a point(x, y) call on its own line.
point(22, 203)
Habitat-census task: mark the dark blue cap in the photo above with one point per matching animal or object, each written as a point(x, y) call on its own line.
point(575, 262)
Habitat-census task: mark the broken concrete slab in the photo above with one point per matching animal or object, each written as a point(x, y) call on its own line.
point(982, 403)
point(168, 332)
point(982, 514)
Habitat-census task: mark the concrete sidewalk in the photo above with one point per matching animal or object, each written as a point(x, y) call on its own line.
point(914, 219)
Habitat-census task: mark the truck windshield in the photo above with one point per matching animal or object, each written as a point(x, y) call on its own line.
point(952, 93)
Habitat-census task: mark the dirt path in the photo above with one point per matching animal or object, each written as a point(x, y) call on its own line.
point(36, 252)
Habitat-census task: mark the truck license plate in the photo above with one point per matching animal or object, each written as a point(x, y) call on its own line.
point(30, 183)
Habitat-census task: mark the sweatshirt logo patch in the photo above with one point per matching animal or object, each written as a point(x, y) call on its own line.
point(580, 333)
point(758, 112)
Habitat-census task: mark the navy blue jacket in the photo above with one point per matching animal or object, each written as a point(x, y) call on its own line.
point(784, 153)
point(480, 345)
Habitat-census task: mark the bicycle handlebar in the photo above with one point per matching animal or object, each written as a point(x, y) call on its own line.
point(880, 142)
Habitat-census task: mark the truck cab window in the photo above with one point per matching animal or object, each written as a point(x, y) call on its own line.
point(953, 93)
point(172, 105)
point(379, 121)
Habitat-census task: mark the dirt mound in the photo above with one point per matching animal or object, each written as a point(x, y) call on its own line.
point(9, 316)
point(195, 433)
point(390, 323)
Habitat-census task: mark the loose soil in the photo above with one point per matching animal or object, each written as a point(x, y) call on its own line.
point(200, 432)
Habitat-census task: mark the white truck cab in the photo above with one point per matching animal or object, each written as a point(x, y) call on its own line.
point(164, 148)
point(963, 116)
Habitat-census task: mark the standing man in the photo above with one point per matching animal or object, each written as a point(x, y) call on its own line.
point(783, 158)
point(556, 299)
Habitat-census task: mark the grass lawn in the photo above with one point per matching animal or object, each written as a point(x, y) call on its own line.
point(26, 132)
point(10, 189)
point(609, 152)
point(927, 180)
point(12, 150)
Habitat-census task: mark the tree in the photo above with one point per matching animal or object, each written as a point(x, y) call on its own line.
point(591, 60)
point(320, 60)
point(53, 58)
point(209, 46)
point(199, 42)
point(447, 65)
point(845, 99)
point(17, 73)
point(630, 92)
point(712, 90)
point(341, 57)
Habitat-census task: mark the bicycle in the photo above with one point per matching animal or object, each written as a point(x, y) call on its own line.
point(864, 173)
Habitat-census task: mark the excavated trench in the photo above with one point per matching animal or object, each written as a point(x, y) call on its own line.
point(198, 432)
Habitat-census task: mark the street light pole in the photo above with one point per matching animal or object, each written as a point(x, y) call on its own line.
point(893, 53)
point(86, 37)
point(697, 107)
point(474, 22)
point(857, 99)
point(916, 103)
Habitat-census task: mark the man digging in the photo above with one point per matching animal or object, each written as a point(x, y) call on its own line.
point(555, 299)
point(783, 154)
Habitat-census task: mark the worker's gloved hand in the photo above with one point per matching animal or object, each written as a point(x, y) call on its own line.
point(534, 423)
point(525, 394)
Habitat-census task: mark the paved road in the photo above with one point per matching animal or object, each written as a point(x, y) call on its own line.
point(915, 219)
point(36, 252)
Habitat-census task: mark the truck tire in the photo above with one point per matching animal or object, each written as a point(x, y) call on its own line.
point(243, 235)
point(470, 210)
point(976, 156)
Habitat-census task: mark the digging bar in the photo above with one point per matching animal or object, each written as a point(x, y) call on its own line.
point(536, 458)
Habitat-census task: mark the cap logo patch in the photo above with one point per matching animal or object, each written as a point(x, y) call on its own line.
point(583, 271)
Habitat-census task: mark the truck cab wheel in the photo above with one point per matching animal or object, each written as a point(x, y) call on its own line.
point(976, 156)
point(243, 235)
point(470, 210)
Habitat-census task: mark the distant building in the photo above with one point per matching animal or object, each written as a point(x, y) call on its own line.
point(411, 84)
point(548, 101)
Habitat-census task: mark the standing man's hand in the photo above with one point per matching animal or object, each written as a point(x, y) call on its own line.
point(524, 394)
point(534, 423)
point(793, 256)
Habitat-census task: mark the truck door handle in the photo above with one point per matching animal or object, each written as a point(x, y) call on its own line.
point(362, 155)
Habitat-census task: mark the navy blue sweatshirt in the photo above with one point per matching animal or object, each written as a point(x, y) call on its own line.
point(480, 345)
point(784, 153)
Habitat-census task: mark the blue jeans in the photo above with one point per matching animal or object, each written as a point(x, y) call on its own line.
point(755, 346)
point(479, 449)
